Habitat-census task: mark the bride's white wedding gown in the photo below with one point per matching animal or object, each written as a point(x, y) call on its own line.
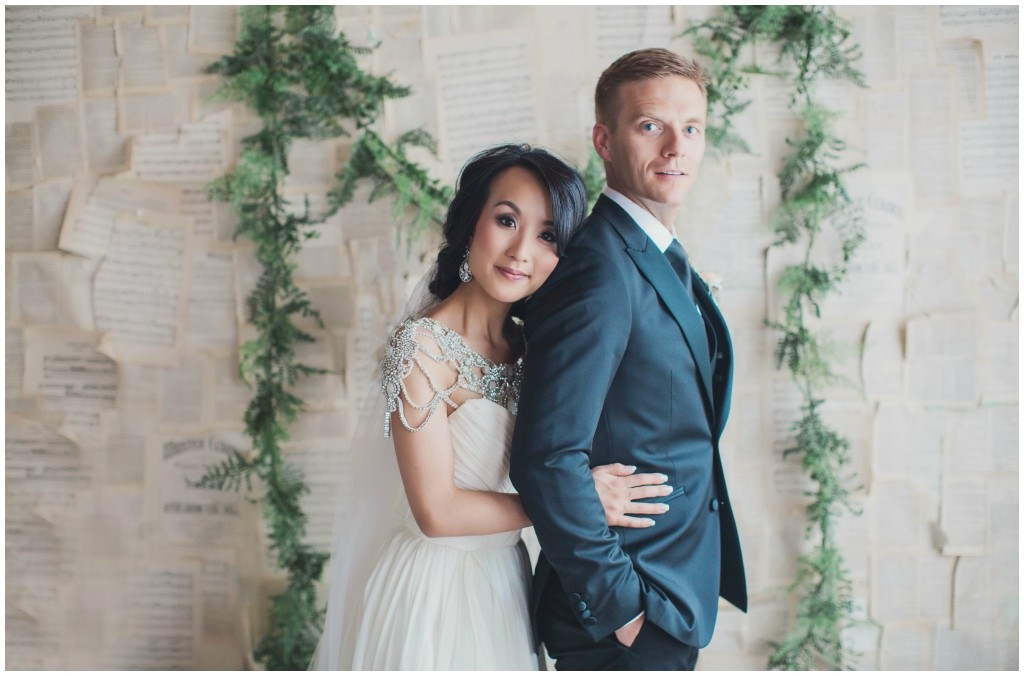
point(452, 602)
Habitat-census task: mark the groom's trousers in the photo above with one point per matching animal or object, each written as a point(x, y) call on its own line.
point(574, 650)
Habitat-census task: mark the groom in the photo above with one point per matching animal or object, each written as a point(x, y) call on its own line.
point(629, 360)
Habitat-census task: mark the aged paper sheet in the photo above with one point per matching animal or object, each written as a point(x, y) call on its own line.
point(486, 90)
point(141, 288)
point(96, 205)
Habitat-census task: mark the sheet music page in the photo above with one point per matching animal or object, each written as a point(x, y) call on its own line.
point(146, 617)
point(942, 360)
point(324, 464)
point(729, 252)
point(1001, 362)
point(361, 346)
point(965, 57)
point(905, 647)
point(94, 209)
point(914, 35)
point(58, 141)
point(106, 150)
point(143, 112)
point(881, 361)
point(138, 389)
point(97, 54)
point(18, 220)
point(72, 381)
point(183, 393)
point(486, 90)
point(50, 288)
point(989, 148)
point(50, 201)
point(963, 514)
point(965, 21)
point(120, 460)
point(187, 516)
point(142, 54)
point(933, 153)
point(621, 29)
point(35, 75)
point(41, 469)
point(182, 64)
point(189, 158)
point(166, 14)
point(886, 128)
point(19, 151)
point(211, 303)
point(141, 288)
point(14, 360)
point(876, 34)
point(873, 287)
point(895, 593)
point(212, 29)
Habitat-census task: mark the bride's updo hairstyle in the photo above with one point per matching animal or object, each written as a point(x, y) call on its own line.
point(563, 183)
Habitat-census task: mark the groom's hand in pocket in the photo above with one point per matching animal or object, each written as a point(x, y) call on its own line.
point(627, 634)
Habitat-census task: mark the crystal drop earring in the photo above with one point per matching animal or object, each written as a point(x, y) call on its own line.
point(465, 274)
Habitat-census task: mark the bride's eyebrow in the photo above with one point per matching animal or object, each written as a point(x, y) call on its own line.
point(511, 205)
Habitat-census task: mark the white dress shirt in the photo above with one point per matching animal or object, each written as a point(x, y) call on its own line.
point(660, 233)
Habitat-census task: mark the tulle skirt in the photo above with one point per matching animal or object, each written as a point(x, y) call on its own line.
point(447, 603)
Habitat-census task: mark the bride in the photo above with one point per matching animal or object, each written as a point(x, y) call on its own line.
point(442, 581)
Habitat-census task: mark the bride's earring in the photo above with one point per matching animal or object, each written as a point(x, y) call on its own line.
point(465, 274)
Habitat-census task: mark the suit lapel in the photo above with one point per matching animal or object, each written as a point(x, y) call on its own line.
point(653, 265)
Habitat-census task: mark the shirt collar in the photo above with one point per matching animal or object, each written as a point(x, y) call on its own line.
point(659, 233)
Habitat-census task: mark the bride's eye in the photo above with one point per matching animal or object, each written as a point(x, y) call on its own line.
point(507, 221)
point(549, 237)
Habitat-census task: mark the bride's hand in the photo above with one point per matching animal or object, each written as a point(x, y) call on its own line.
point(618, 487)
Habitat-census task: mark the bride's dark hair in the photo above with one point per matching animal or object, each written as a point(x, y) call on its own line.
point(563, 183)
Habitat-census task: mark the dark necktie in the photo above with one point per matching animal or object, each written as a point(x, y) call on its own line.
point(681, 263)
point(677, 257)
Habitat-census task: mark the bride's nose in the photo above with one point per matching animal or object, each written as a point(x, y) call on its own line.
point(517, 249)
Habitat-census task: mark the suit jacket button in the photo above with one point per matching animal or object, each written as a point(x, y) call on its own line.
point(575, 596)
point(714, 504)
point(581, 605)
point(586, 615)
point(590, 621)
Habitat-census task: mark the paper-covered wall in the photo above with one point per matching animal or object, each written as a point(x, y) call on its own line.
point(125, 307)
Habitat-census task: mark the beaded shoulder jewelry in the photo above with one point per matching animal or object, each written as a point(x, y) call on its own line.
point(499, 383)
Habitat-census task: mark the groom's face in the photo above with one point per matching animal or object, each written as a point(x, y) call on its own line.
point(653, 147)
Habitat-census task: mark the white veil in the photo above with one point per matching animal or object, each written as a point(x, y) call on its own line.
point(366, 517)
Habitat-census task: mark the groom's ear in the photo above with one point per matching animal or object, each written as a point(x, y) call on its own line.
point(600, 137)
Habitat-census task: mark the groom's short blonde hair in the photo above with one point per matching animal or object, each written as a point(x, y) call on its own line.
point(641, 65)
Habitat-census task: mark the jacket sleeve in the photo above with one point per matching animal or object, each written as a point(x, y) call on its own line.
point(577, 330)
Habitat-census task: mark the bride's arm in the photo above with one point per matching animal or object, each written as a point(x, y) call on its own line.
point(426, 461)
point(441, 509)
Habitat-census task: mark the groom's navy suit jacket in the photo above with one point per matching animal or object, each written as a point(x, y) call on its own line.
point(617, 370)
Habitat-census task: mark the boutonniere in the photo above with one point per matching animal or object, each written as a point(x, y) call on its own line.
point(713, 281)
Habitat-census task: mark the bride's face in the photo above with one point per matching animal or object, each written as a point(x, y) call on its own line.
point(513, 247)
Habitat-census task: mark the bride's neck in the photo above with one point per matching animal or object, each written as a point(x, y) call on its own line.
point(474, 315)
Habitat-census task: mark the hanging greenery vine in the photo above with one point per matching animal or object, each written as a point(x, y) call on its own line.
point(302, 78)
point(813, 43)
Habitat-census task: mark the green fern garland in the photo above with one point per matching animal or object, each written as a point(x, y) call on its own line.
point(302, 78)
point(813, 44)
